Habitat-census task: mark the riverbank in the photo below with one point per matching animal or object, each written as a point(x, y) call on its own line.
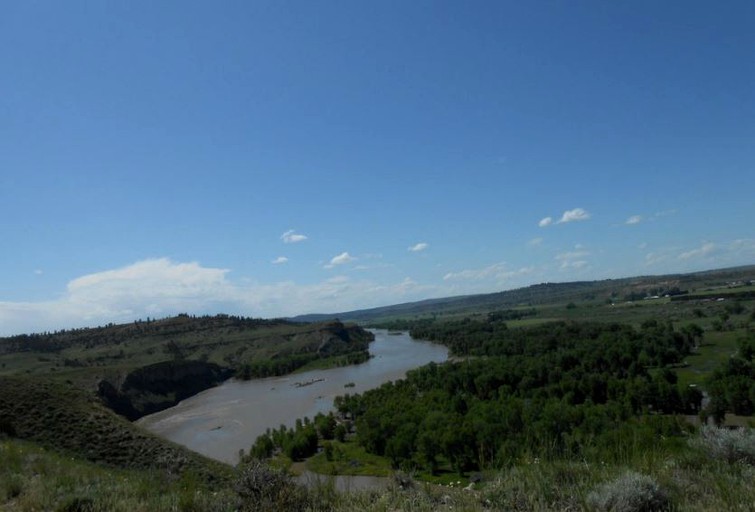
point(221, 421)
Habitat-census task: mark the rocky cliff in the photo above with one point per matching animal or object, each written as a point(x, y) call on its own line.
point(159, 386)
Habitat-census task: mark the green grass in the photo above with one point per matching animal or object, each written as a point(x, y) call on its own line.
point(716, 349)
point(33, 478)
point(723, 291)
point(349, 459)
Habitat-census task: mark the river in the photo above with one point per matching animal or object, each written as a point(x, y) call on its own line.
point(222, 420)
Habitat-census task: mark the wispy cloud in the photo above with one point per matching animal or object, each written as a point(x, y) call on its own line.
point(535, 242)
point(702, 251)
point(341, 259)
point(740, 251)
point(292, 237)
point(572, 260)
point(499, 272)
point(279, 260)
point(421, 246)
point(576, 214)
point(571, 255)
point(634, 219)
point(656, 257)
point(743, 246)
point(38, 272)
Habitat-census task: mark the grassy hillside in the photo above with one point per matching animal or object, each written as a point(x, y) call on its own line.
point(145, 366)
point(114, 350)
point(65, 419)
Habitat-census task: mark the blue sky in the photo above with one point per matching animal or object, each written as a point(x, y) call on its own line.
point(277, 158)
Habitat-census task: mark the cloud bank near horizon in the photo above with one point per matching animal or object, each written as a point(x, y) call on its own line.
point(160, 287)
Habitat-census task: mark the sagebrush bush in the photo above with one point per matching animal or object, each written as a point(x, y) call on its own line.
point(631, 492)
point(730, 445)
point(536, 487)
point(263, 488)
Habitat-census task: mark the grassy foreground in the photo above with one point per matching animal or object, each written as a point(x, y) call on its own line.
point(714, 471)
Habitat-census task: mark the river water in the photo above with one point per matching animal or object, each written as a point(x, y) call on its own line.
point(225, 419)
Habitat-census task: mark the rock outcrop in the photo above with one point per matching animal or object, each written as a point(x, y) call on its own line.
point(159, 386)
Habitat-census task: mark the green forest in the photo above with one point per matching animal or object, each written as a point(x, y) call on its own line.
point(562, 390)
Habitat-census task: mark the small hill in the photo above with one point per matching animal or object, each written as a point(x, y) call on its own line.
point(69, 420)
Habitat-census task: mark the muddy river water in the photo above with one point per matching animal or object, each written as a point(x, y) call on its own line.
point(223, 420)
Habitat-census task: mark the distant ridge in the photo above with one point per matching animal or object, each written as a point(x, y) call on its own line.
point(545, 293)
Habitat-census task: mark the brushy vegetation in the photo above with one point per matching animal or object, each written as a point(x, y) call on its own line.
point(728, 445)
point(70, 421)
point(631, 492)
point(32, 478)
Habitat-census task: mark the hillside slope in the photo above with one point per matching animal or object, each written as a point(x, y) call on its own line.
point(624, 289)
point(68, 420)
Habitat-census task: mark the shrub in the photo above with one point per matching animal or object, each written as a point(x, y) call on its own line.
point(263, 488)
point(730, 445)
point(631, 492)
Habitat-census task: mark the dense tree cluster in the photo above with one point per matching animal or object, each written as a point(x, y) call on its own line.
point(732, 387)
point(561, 389)
point(299, 442)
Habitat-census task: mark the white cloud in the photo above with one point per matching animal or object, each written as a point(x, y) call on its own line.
point(419, 247)
point(498, 272)
point(568, 216)
point(279, 260)
point(38, 272)
point(574, 215)
point(341, 259)
point(291, 237)
point(161, 287)
point(146, 288)
point(634, 219)
point(700, 252)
